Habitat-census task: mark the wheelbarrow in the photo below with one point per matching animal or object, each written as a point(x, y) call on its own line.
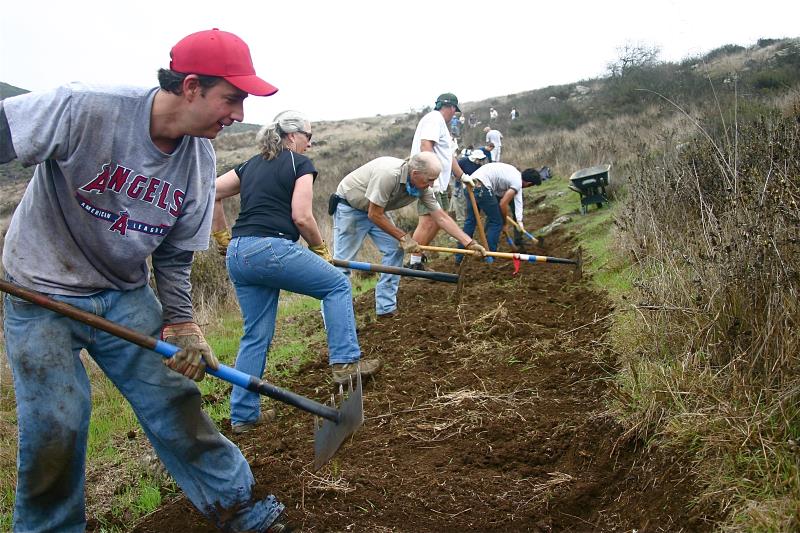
point(590, 183)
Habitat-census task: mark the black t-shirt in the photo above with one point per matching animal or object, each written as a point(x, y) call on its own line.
point(266, 195)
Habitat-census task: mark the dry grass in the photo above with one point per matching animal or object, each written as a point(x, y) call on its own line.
point(712, 344)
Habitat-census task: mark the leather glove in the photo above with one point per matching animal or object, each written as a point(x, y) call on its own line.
point(466, 178)
point(479, 250)
point(409, 245)
point(195, 353)
point(223, 239)
point(322, 250)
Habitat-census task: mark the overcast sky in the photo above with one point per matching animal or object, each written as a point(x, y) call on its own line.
point(347, 59)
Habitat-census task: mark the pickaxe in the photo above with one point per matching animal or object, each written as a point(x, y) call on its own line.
point(578, 262)
point(539, 240)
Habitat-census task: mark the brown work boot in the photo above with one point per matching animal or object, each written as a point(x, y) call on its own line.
point(343, 371)
point(264, 418)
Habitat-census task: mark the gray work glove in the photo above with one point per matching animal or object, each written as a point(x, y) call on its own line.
point(409, 245)
point(195, 353)
point(479, 250)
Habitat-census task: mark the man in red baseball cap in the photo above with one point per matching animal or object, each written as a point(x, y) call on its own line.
point(123, 174)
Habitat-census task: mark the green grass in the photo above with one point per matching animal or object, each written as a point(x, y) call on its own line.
point(592, 232)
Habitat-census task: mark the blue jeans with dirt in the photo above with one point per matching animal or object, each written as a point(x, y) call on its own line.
point(54, 405)
point(260, 267)
point(487, 202)
point(350, 227)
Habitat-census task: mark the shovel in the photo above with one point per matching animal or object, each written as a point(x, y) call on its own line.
point(329, 435)
point(371, 267)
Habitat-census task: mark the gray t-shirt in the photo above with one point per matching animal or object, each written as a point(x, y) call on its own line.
point(103, 197)
point(382, 181)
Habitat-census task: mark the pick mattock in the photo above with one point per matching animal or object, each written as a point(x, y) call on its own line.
point(481, 231)
point(539, 240)
point(337, 426)
point(578, 261)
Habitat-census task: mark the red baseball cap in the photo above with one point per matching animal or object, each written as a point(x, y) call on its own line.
point(222, 54)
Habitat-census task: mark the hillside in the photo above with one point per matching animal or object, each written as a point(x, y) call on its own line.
point(659, 393)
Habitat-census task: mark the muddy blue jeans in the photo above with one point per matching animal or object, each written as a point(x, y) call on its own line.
point(259, 268)
point(350, 227)
point(54, 405)
point(487, 202)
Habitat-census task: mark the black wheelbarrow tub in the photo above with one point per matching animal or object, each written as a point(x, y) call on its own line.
point(590, 183)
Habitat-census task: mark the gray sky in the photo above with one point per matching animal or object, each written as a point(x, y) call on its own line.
point(347, 59)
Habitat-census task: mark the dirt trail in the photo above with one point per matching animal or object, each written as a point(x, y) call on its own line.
point(488, 416)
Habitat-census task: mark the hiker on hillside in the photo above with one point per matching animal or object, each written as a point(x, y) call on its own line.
point(122, 174)
point(495, 185)
point(276, 188)
point(432, 135)
point(495, 138)
point(360, 207)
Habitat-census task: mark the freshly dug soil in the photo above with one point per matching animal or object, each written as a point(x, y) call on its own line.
point(488, 415)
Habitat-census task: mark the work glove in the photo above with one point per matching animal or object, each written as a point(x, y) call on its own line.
point(195, 353)
point(409, 245)
point(322, 250)
point(223, 239)
point(479, 250)
point(466, 178)
point(521, 227)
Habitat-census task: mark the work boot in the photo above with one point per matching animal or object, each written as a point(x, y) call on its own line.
point(280, 525)
point(343, 371)
point(390, 314)
point(264, 418)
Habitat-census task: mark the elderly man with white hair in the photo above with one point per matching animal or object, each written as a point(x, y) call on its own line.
point(360, 207)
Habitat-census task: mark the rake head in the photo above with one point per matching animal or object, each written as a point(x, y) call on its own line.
point(329, 435)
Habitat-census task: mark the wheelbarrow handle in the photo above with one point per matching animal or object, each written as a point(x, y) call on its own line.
point(226, 373)
point(371, 267)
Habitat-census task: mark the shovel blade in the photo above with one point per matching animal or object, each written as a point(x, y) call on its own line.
point(330, 435)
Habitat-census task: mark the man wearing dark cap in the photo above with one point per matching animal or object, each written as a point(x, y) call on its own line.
point(122, 174)
point(432, 135)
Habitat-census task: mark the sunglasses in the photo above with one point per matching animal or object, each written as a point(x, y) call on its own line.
point(308, 135)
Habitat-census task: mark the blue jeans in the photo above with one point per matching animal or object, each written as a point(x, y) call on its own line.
point(487, 202)
point(350, 228)
point(259, 268)
point(54, 404)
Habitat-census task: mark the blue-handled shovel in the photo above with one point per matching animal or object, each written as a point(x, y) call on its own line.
point(336, 426)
